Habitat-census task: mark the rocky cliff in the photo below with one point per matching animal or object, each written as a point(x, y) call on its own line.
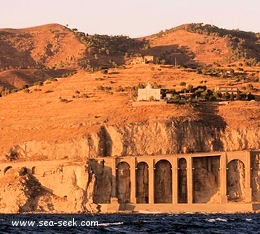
point(59, 187)
point(46, 188)
point(171, 136)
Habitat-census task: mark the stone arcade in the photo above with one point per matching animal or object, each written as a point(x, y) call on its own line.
point(199, 182)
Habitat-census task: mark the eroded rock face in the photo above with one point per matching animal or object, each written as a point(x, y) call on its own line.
point(163, 182)
point(58, 190)
point(99, 181)
point(142, 183)
point(205, 178)
point(148, 138)
point(123, 182)
point(236, 181)
point(20, 192)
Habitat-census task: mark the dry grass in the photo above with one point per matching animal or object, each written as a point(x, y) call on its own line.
point(42, 116)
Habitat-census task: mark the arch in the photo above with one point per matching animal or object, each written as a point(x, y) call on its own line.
point(163, 182)
point(123, 186)
point(33, 170)
point(7, 168)
point(142, 182)
point(182, 181)
point(236, 180)
point(205, 178)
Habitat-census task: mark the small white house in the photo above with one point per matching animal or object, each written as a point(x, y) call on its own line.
point(149, 94)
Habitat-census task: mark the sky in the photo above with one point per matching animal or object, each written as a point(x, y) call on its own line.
point(134, 18)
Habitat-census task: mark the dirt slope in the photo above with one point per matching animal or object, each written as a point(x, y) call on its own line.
point(48, 45)
point(189, 47)
point(68, 111)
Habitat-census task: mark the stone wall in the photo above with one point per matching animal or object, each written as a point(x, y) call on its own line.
point(108, 184)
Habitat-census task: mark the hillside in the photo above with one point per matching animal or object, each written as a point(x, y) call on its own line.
point(50, 45)
point(28, 55)
point(73, 132)
point(69, 117)
point(93, 111)
point(35, 54)
point(205, 44)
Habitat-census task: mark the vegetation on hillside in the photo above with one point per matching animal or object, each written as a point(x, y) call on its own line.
point(103, 51)
point(202, 93)
point(243, 44)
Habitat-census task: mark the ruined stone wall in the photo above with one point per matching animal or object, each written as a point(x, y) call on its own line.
point(64, 186)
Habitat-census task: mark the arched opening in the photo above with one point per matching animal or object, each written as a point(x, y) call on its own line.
point(123, 182)
point(182, 181)
point(33, 170)
point(236, 180)
point(142, 183)
point(7, 168)
point(205, 178)
point(163, 182)
point(102, 181)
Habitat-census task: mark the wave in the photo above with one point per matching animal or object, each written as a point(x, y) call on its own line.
point(110, 224)
point(216, 219)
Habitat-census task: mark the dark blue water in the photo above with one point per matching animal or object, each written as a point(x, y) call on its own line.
point(131, 223)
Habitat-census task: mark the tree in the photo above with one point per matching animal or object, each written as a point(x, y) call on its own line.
point(227, 96)
point(250, 97)
point(189, 87)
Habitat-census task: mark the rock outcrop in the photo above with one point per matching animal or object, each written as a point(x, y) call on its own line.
point(147, 138)
point(58, 190)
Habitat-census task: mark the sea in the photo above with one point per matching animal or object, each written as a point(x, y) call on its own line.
point(130, 223)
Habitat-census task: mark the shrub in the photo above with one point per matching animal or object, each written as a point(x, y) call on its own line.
point(227, 96)
point(40, 83)
point(85, 95)
point(64, 100)
point(250, 97)
point(26, 90)
point(12, 155)
point(105, 71)
point(250, 87)
point(120, 89)
point(189, 87)
point(106, 88)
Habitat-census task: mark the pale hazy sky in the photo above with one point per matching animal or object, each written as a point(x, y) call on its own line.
point(130, 17)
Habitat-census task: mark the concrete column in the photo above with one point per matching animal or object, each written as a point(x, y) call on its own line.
point(114, 168)
point(174, 162)
point(223, 177)
point(151, 180)
point(189, 179)
point(248, 172)
point(133, 179)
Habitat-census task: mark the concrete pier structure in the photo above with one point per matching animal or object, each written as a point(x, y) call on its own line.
point(198, 182)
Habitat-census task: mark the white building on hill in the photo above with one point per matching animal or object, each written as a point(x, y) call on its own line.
point(149, 94)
